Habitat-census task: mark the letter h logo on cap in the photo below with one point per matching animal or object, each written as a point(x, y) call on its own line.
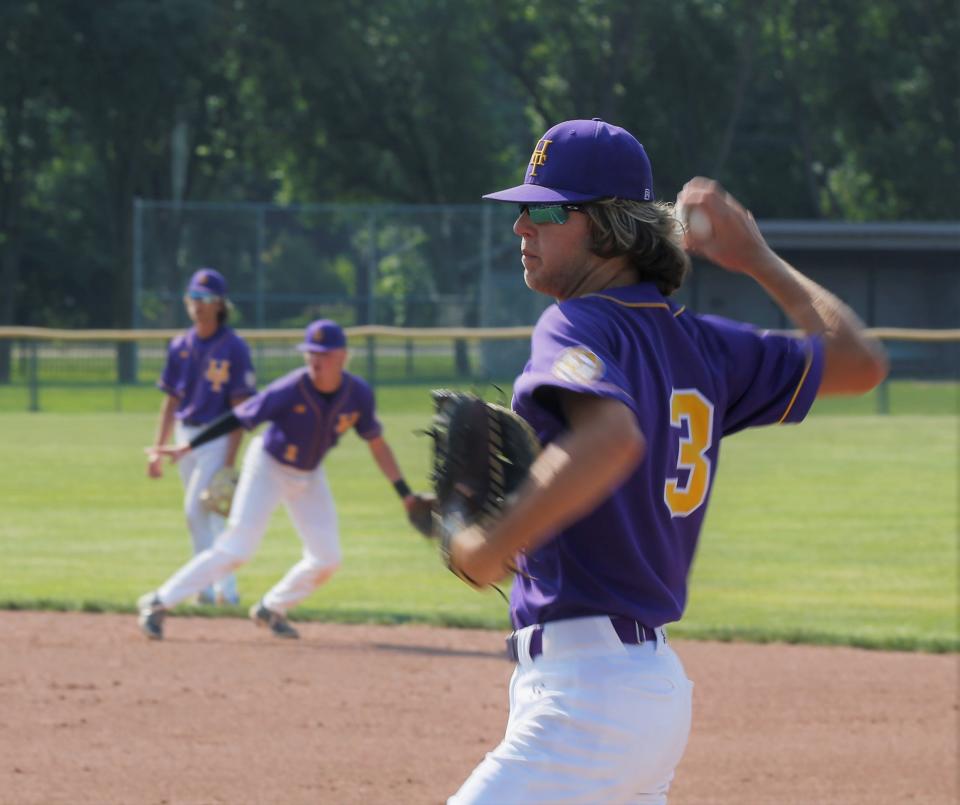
point(539, 155)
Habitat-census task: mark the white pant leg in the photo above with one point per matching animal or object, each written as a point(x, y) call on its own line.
point(311, 507)
point(197, 468)
point(605, 728)
point(260, 489)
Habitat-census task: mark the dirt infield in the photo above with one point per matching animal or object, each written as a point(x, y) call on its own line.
point(90, 712)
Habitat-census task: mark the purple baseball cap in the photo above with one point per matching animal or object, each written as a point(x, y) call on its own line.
point(207, 282)
point(583, 160)
point(323, 335)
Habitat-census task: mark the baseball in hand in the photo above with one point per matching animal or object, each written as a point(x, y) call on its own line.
point(698, 224)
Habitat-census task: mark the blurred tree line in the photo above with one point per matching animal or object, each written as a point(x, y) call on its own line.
point(803, 108)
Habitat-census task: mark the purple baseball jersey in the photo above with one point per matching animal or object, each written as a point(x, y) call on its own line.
point(689, 380)
point(305, 424)
point(207, 375)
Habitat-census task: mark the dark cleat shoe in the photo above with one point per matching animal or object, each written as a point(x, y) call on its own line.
point(152, 614)
point(276, 622)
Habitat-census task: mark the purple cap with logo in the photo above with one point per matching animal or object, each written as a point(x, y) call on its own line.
point(207, 282)
point(323, 335)
point(583, 160)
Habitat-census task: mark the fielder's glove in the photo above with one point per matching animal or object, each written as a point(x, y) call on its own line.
point(218, 495)
point(481, 454)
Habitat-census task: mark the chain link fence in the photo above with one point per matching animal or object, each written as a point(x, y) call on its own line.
point(395, 265)
point(458, 267)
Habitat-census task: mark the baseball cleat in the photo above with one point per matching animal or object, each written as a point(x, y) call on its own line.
point(277, 623)
point(152, 614)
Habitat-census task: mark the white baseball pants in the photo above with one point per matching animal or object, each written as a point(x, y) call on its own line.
point(591, 720)
point(265, 483)
point(197, 468)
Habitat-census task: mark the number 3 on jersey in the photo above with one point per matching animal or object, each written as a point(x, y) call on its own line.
point(690, 406)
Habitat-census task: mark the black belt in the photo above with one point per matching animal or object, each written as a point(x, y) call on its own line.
point(629, 631)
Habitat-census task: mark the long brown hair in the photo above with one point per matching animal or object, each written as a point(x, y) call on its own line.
point(647, 233)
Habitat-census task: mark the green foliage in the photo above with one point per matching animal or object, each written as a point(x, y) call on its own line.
point(841, 530)
point(803, 108)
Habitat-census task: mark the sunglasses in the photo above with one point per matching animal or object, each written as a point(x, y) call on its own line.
point(206, 298)
point(548, 213)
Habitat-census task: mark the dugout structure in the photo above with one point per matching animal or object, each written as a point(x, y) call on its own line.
point(895, 275)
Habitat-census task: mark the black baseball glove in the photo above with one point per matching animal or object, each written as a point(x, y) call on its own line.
point(481, 454)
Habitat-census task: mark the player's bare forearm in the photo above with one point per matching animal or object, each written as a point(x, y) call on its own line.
point(384, 458)
point(165, 422)
point(387, 462)
point(569, 478)
point(164, 428)
point(854, 363)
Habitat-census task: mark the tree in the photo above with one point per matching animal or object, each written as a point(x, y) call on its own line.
point(30, 122)
point(676, 75)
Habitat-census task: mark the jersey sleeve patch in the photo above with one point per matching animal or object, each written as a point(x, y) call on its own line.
point(578, 365)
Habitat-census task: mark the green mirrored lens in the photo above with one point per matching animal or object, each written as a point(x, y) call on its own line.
point(554, 214)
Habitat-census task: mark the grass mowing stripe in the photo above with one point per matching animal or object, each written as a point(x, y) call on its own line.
point(904, 397)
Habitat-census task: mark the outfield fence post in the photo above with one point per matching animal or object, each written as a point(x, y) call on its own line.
point(371, 359)
point(33, 380)
point(883, 397)
point(136, 314)
point(370, 313)
point(261, 237)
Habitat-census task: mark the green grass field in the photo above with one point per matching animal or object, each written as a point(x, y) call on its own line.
point(87, 394)
point(841, 530)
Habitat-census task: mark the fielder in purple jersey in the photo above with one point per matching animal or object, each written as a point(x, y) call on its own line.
point(208, 370)
point(631, 395)
point(308, 409)
point(206, 376)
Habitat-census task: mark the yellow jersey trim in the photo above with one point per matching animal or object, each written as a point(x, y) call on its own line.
point(662, 305)
point(796, 393)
